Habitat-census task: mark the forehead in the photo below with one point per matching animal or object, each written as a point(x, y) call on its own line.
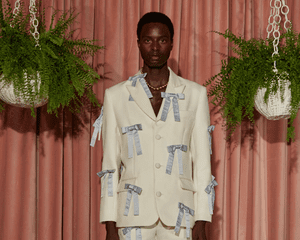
point(155, 29)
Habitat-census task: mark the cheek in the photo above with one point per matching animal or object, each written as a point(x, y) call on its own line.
point(144, 49)
point(144, 53)
point(167, 51)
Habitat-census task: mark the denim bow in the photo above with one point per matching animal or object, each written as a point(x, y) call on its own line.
point(141, 77)
point(132, 191)
point(97, 125)
point(166, 107)
point(184, 209)
point(209, 130)
point(109, 181)
point(127, 231)
point(210, 190)
point(132, 132)
point(171, 150)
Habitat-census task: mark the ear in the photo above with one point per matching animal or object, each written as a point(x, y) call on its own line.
point(138, 43)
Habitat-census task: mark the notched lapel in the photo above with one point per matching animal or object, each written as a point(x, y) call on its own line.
point(140, 98)
point(174, 86)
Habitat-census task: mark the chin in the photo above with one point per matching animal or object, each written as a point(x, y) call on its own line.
point(156, 65)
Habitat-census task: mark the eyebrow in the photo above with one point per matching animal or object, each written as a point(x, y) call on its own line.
point(165, 36)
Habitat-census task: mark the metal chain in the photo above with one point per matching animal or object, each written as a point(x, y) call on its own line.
point(33, 20)
point(275, 16)
point(16, 9)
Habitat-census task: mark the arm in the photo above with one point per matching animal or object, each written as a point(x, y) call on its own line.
point(111, 160)
point(201, 165)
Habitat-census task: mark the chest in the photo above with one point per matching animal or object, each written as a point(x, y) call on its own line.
point(156, 100)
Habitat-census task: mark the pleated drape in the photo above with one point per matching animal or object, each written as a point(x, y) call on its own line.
point(49, 189)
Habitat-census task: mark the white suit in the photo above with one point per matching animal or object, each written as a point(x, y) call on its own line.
point(138, 140)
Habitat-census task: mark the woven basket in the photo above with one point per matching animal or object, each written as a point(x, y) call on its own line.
point(274, 109)
point(8, 95)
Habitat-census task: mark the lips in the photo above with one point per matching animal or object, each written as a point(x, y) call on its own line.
point(155, 58)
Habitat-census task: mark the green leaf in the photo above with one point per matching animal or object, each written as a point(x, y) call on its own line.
point(50, 52)
point(65, 76)
point(234, 87)
point(56, 40)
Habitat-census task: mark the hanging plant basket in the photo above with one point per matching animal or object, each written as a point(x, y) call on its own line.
point(10, 95)
point(278, 104)
point(249, 79)
point(266, 74)
point(39, 66)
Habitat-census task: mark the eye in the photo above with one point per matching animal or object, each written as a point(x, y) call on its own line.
point(163, 40)
point(147, 40)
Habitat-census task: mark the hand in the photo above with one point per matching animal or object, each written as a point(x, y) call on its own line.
point(199, 231)
point(111, 231)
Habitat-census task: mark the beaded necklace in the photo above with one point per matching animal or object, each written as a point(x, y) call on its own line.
point(155, 88)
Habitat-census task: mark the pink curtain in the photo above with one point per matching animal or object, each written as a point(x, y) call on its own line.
point(49, 189)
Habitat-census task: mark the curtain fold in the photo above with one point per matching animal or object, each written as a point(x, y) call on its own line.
point(49, 188)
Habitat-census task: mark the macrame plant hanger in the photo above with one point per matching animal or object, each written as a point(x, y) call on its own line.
point(276, 109)
point(7, 91)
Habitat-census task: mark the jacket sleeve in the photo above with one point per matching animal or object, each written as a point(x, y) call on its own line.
point(201, 158)
point(111, 160)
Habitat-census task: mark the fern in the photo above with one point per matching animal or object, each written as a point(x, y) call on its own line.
point(59, 59)
point(235, 86)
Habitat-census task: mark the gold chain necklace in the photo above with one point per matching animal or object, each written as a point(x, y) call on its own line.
point(155, 88)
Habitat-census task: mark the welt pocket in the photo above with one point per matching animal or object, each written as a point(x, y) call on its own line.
point(121, 185)
point(187, 184)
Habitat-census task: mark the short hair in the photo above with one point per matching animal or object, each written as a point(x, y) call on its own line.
point(152, 17)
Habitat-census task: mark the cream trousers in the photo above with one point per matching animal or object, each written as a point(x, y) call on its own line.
point(157, 231)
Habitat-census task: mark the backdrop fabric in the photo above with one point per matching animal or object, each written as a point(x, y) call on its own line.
point(49, 189)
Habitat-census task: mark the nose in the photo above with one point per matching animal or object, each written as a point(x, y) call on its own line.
point(155, 45)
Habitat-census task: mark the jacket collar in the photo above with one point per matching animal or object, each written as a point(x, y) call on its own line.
point(175, 85)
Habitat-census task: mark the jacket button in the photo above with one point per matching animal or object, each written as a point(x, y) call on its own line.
point(158, 137)
point(157, 165)
point(158, 194)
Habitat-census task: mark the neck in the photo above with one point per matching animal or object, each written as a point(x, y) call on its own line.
point(156, 77)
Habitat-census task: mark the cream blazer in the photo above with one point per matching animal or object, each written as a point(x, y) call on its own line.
point(161, 192)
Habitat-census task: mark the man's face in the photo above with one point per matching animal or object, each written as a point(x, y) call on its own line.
point(155, 44)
